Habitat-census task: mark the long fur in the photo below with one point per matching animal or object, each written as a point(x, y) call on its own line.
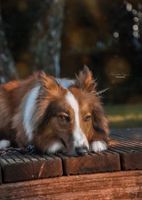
point(52, 115)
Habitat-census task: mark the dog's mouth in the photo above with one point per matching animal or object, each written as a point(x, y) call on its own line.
point(76, 152)
point(73, 151)
point(70, 150)
point(67, 150)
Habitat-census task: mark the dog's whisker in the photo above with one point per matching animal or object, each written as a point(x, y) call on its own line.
point(102, 91)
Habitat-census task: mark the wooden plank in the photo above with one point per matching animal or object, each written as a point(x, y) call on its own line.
point(131, 160)
point(131, 133)
point(26, 167)
point(130, 150)
point(125, 153)
point(100, 162)
point(115, 185)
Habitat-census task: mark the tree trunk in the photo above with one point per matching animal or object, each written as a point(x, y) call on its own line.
point(7, 66)
point(46, 37)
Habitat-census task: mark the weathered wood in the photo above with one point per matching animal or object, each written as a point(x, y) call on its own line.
point(128, 144)
point(131, 160)
point(26, 167)
point(125, 153)
point(115, 185)
point(99, 162)
point(134, 134)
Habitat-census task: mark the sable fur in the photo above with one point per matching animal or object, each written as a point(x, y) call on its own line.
point(48, 125)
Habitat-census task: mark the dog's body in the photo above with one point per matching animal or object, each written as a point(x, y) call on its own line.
point(53, 116)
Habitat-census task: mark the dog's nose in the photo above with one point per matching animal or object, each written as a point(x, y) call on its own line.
point(81, 150)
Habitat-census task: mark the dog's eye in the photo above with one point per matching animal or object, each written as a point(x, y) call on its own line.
point(87, 117)
point(64, 117)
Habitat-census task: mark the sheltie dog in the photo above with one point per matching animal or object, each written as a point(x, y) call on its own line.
point(53, 115)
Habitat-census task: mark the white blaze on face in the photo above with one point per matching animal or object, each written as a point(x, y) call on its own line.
point(78, 135)
point(29, 109)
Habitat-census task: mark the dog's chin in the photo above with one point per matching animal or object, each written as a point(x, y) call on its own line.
point(58, 148)
point(55, 148)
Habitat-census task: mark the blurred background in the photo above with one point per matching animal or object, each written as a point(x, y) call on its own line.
point(60, 36)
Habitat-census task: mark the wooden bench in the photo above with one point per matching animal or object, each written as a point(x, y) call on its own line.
point(113, 174)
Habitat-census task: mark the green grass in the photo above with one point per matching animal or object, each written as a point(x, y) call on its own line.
point(124, 116)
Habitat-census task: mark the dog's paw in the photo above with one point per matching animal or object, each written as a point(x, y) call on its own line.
point(98, 146)
point(4, 144)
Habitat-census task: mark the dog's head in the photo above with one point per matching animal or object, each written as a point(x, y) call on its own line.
point(67, 119)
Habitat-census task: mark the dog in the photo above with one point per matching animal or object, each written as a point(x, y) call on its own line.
point(53, 115)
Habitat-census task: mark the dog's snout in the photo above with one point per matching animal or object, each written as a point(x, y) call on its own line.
point(81, 150)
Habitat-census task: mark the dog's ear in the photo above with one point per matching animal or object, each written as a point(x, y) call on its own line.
point(100, 121)
point(49, 91)
point(85, 80)
point(49, 84)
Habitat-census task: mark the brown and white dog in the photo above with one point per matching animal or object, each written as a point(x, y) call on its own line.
point(52, 115)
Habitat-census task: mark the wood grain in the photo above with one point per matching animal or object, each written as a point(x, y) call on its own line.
point(106, 186)
point(98, 162)
point(26, 167)
point(133, 134)
point(125, 153)
point(132, 160)
point(121, 165)
point(129, 146)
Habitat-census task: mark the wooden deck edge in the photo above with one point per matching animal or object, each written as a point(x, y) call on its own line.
point(113, 185)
